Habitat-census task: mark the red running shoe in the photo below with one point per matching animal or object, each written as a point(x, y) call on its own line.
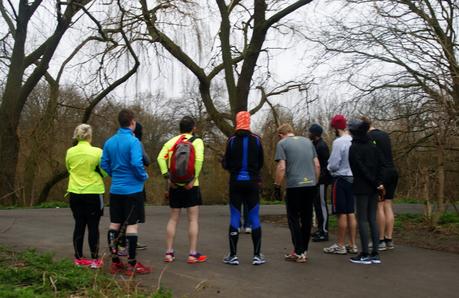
point(138, 268)
point(82, 262)
point(196, 258)
point(117, 267)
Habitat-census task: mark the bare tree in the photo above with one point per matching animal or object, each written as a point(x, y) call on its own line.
point(405, 48)
point(237, 59)
point(24, 72)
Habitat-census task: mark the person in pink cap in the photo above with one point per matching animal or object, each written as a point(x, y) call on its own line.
point(343, 202)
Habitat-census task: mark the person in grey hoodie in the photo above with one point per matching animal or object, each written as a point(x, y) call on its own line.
point(343, 201)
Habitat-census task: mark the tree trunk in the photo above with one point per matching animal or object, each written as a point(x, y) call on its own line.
point(441, 206)
point(424, 172)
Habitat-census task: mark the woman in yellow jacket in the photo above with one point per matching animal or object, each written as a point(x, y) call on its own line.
point(86, 189)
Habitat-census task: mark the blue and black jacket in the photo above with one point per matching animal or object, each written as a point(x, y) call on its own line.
point(244, 157)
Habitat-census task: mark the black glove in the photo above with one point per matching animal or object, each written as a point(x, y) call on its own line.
point(277, 192)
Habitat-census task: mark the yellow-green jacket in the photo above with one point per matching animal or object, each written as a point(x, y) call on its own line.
point(166, 152)
point(81, 162)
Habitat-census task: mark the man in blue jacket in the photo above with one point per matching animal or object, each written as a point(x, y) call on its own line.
point(122, 159)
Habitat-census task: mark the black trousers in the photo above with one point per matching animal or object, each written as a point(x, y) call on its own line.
point(299, 203)
point(87, 210)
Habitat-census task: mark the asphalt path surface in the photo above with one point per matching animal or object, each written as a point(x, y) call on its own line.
point(404, 272)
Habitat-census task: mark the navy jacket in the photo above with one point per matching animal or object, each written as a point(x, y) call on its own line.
point(243, 157)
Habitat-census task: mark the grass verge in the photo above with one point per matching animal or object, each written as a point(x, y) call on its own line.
point(32, 274)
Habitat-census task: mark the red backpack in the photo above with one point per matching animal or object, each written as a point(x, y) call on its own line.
point(181, 169)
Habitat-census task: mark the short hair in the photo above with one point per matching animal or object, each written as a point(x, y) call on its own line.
point(83, 132)
point(366, 120)
point(186, 124)
point(285, 129)
point(125, 117)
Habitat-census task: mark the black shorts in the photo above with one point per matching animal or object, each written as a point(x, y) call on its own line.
point(343, 201)
point(128, 209)
point(184, 198)
point(86, 205)
point(390, 184)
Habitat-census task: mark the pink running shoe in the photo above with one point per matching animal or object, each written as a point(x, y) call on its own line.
point(96, 264)
point(82, 262)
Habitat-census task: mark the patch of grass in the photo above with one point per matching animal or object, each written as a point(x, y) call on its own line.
point(31, 274)
point(407, 200)
point(53, 204)
point(271, 202)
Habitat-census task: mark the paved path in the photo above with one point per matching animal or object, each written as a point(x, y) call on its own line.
point(405, 272)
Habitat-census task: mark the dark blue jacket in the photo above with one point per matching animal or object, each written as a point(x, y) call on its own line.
point(244, 157)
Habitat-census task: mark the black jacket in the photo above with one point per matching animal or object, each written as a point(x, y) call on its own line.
point(367, 165)
point(323, 153)
point(243, 157)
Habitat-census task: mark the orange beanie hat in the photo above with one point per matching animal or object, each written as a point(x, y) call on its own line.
point(243, 120)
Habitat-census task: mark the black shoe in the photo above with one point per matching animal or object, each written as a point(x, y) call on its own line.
point(361, 258)
point(375, 259)
point(320, 237)
point(315, 234)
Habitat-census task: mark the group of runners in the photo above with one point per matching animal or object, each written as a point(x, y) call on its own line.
point(359, 168)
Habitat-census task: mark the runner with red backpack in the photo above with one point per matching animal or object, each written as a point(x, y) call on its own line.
point(180, 161)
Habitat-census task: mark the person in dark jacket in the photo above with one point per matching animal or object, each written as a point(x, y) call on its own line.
point(385, 215)
point(367, 165)
point(320, 201)
point(244, 160)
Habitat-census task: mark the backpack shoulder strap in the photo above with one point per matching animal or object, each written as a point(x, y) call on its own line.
point(192, 139)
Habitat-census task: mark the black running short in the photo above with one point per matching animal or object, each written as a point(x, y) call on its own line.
point(184, 198)
point(128, 209)
point(390, 184)
point(343, 201)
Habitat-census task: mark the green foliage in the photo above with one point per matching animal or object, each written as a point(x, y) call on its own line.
point(271, 202)
point(53, 204)
point(32, 274)
point(449, 218)
point(408, 200)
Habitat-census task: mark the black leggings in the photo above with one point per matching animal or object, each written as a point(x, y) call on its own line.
point(87, 210)
point(299, 203)
point(366, 215)
point(247, 193)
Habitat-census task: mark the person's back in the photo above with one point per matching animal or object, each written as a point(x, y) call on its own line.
point(363, 152)
point(244, 157)
point(85, 190)
point(82, 162)
point(183, 195)
point(338, 163)
point(298, 152)
point(382, 141)
point(123, 161)
point(297, 160)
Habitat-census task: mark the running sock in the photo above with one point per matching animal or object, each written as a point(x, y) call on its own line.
point(233, 238)
point(112, 238)
point(132, 245)
point(256, 239)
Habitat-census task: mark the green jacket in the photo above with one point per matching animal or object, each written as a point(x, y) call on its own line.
point(82, 162)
